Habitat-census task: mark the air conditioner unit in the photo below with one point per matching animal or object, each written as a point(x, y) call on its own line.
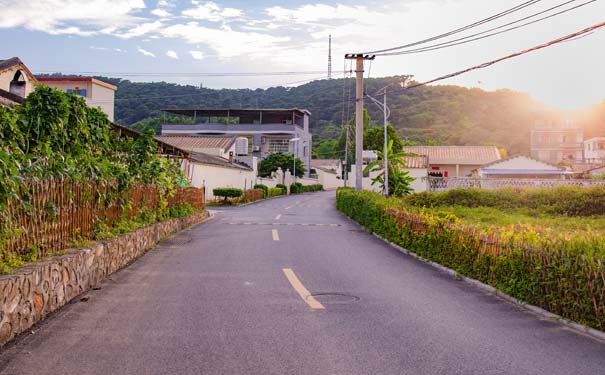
point(256, 148)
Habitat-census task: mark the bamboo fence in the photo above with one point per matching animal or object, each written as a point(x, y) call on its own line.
point(51, 214)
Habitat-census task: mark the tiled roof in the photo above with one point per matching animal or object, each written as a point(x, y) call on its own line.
point(466, 155)
point(318, 163)
point(8, 98)
point(195, 142)
point(13, 61)
point(543, 164)
point(198, 157)
point(416, 162)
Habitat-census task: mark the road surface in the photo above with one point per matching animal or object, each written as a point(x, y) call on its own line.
point(230, 296)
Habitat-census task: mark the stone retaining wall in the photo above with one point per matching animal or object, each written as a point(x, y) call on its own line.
point(44, 287)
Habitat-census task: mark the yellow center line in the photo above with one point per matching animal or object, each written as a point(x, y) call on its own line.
point(301, 290)
point(287, 208)
point(277, 217)
point(275, 235)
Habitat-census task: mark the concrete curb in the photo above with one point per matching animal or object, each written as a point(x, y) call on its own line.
point(536, 310)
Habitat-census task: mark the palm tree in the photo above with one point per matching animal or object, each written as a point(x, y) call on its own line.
point(399, 180)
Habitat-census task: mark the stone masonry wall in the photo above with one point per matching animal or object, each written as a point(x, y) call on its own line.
point(44, 287)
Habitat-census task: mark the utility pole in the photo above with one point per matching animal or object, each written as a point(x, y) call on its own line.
point(359, 58)
point(346, 155)
point(330, 57)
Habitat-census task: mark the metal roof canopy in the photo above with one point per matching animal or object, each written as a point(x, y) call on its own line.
point(227, 112)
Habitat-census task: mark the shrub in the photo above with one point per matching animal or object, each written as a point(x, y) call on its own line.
point(274, 192)
point(296, 188)
point(283, 187)
point(314, 187)
point(227, 193)
point(264, 188)
point(561, 274)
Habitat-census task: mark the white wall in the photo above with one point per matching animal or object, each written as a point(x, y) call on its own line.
point(213, 176)
point(102, 97)
point(6, 76)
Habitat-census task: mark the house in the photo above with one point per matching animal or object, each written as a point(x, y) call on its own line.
point(554, 140)
point(222, 146)
point(96, 92)
point(213, 172)
point(417, 168)
point(16, 81)
point(268, 131)
point(598, 171)
point(455, 161)
point(522, 167)
point(594, 150)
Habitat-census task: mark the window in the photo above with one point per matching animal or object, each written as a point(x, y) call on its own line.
point(278, 145)
point(77, 91)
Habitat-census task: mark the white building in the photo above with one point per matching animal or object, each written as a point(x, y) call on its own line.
point(455, 161)
point(594, 150)
point(522, 167)
point(268, 131)
point(96, 93)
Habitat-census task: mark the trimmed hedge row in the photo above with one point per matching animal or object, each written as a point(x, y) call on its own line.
point(274, 192)
point(297, 188)
point(563, 275)
point(562, 200)
point(264, 188)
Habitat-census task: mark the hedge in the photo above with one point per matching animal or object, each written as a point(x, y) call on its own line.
point(227, 193)
point(314, 187)
point(563, 275)
point(283, 187)
point(274, 192)
point(264, 188)
point(296, 188)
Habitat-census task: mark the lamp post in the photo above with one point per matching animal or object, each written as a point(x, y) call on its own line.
point(294, 153)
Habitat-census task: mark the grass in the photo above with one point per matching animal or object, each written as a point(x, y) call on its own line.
point(487, 217)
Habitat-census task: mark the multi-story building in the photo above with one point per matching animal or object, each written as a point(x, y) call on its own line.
point(594, 150)
point(268, 131)
point(554, 141)
point(96, 93)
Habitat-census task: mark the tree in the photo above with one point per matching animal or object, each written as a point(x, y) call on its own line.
point(272, 162)
point(399, 180)
point(373, 138)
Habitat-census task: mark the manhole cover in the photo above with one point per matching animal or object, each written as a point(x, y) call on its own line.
point(334, 298)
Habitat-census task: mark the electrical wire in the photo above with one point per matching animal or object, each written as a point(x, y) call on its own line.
point(459, 30)
point(475, 37)
point(192, 74)
point(490, 63)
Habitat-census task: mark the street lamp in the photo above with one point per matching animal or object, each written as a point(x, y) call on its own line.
point(386, 113)
point(294, 152)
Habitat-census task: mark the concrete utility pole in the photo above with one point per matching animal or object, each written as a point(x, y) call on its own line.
point(330, 57)
point(359, 58)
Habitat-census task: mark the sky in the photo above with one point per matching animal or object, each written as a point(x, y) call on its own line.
point(175, 41)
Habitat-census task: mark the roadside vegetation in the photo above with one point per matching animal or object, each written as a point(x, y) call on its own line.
point(541, 246)
point(59, 157)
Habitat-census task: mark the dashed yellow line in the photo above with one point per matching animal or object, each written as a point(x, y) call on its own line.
point(301, 290)
point(275, 235)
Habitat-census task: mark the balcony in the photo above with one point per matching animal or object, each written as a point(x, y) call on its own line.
point(216, 128)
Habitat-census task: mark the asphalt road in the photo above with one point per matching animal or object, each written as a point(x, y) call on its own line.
point(216, 300)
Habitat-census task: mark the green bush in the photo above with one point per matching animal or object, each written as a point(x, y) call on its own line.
point(314, 187)
point(227, 193)
point(564, 275)
point(264, 188)
point(274, 192)
point(296, 188)
point(562, 200)
point(283, 187)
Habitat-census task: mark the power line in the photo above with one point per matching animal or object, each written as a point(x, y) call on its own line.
point(193, 74)
point(471, 38)
point(487, 64)
point(461, 29)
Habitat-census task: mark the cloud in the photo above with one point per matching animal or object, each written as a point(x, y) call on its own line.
point(145, 52)
point(210, 11)
point(225, 41)
point(140, 30)
point(198, 55)
point(172, 55)
point(119, 50)
point(76, 17)
point(161, 13)
point(98, 48)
